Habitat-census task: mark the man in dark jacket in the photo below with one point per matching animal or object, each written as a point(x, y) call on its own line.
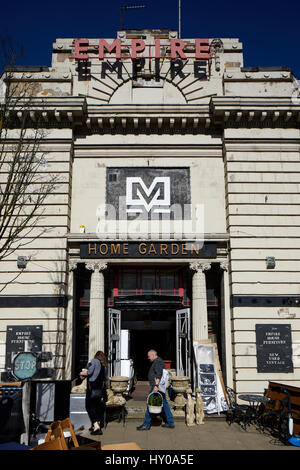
point(154, 377)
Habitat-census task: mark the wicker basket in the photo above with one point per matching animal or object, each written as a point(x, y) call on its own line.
point(155, 405)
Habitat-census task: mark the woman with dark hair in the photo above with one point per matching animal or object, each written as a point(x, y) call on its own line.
point(96, 397)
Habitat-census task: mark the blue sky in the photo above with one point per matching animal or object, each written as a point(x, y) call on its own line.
point(269, 30)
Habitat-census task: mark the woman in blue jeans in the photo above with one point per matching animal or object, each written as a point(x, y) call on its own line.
point(154, 377)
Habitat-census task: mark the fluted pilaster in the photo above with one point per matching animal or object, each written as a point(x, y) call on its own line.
point(226, 325)
point(70, 318)
point(97, 314)
point(199, 300)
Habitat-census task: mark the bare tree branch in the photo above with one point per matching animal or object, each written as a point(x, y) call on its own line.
point(24, 184)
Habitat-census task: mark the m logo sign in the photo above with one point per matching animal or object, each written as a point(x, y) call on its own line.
point(140, 197)
point(147, 193)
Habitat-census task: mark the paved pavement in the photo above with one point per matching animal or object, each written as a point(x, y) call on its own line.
point(212, 435)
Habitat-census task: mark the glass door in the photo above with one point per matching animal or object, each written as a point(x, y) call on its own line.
point(183, 343)
point(114, 337)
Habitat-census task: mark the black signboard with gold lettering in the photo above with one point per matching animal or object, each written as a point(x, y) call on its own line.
point(274, 348)
point(147, 249)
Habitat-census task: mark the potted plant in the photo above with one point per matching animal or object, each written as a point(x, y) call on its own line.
point(155, 402)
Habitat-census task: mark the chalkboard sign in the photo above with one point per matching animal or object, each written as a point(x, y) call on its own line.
point(16, 337)
point(274, 348)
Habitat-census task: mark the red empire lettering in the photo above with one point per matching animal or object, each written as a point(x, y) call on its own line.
point(157, 48)
point(177, 46)
point(137, 45)
point(81, 48)
point(116, 45)
point(202, 51)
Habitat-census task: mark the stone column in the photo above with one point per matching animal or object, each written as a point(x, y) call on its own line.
point(226, 325)
point(97, 314)
point(70, 318)
point(199, 303)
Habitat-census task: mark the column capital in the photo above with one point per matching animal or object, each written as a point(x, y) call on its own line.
point(94, 265)
point(200, 266)
point(73, 264)
point(224, 265)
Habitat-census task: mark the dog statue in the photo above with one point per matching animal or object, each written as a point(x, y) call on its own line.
point(190, 405)
point(199, 407)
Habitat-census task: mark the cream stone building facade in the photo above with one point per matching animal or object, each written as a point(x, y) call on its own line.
point(197, 131)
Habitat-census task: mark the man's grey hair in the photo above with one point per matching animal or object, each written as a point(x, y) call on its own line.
point(152, 351)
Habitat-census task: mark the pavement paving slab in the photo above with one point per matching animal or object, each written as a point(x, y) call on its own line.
point(212, 435)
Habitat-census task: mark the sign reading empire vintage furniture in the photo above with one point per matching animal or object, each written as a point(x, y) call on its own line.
point(16, 337)
point(274, 348)
point(134, 249)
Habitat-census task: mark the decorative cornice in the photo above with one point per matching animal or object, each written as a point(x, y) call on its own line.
point(217, 112)
point(148, 118)
point(148, 124)
point(237, 111)
point(47, 111)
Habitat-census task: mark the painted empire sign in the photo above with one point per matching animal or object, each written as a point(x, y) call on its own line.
point(147, 249)
point(111, 56)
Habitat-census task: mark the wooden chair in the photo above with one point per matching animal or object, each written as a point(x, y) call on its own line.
point(66, 424)
point(53, 444)
point(57, 431)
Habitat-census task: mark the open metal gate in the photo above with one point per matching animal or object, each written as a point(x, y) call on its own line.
point(114, 343)
point(183, 343)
